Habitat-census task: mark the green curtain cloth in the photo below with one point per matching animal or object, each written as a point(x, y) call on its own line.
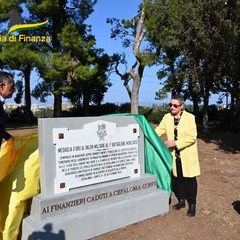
point(158, 159)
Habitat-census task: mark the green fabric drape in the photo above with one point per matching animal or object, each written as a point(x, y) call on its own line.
point(158, 159)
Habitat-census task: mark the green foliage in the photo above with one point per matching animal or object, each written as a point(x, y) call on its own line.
point(227, 119)
point(199, 42)
point(19, 55)
point(42, 91)
point(19, 89)
point(162, 93)
point(57, 66)
point(107, 108)
point(18, 115)
point(44, 113)
point(124, 107)
point(153, 114)
point(23, 57)
point(94, 110)
point(69, 47)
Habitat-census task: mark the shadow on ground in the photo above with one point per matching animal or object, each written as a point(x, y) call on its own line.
point(236, 206)
point(225, 141)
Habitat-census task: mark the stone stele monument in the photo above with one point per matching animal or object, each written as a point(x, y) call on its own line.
point(92, 179)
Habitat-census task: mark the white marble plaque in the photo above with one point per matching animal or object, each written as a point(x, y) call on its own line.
point(99, 152)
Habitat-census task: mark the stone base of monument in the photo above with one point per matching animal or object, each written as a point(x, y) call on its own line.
point(90, 211)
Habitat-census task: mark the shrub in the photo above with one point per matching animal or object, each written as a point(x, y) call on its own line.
point(18, 116)
point(153, 114)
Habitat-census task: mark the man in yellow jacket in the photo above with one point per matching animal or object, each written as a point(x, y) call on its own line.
point(181, 131)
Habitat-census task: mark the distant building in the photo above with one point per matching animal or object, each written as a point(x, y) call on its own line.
point(11, 106)
point(36, 107)
point(66, 106)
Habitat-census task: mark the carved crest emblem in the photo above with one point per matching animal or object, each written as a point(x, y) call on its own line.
point(101, 131)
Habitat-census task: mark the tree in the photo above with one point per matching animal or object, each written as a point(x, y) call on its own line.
point(19, 56)
point(166, 24)
point(88, 81)
point(59, 13)
point(81, 67)
point(229, 83)
point(195, 32)
point(132, 33)
point(22, 57)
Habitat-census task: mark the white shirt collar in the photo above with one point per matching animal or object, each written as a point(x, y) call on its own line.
point(2, 99)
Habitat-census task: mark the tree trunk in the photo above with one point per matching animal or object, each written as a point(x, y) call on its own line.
point(86, 100)
point(57, 106)
point(135, 94)
point(193, 93)
point(27, 97)
point(138, 76)
point(205, 116)
point(205, 106)
point(195, 106)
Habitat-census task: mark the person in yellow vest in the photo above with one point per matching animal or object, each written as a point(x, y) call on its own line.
point(181, 132)
point(7, 88)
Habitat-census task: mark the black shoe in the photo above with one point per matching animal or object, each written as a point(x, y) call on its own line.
point(192, 210)
point(179, 205)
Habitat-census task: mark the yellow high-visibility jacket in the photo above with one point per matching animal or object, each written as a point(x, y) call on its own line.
point(19, 181)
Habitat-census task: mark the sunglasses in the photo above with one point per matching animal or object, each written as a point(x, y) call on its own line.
point(174, 105)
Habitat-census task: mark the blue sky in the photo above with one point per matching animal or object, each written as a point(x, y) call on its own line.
point(120, 9)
